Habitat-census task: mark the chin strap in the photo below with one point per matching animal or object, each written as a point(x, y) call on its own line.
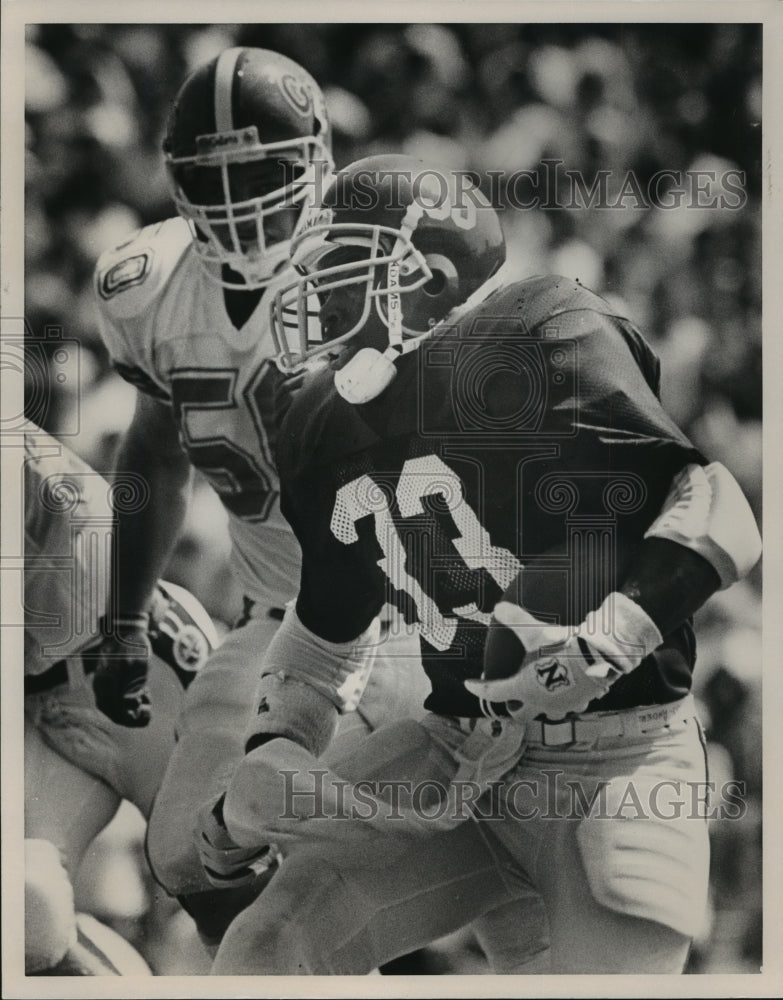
point(394, 307)
point(369, 371)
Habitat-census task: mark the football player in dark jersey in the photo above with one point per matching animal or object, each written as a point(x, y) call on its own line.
point(493, 458)
point(183, 311)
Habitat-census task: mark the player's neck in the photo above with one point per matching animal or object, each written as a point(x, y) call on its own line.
point(240, 303)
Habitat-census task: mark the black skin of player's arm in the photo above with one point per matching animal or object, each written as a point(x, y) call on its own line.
point(670, 582)
point(145, 537)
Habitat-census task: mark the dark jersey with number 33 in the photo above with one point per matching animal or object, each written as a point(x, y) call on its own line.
point(528, 434)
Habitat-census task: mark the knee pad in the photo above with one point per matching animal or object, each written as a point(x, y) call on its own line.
point(49, 917)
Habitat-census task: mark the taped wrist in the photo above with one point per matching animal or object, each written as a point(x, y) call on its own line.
point(337, 670)
point(288, 707)
point(621, 631)
point(126, 622)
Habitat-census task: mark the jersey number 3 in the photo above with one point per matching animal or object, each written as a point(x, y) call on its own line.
point(421, 477)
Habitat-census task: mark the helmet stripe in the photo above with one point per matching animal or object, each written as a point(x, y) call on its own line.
point(224, 88)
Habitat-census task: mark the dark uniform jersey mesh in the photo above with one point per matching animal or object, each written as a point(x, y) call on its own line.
point(531, 434)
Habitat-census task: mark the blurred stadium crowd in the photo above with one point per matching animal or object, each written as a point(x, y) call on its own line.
point(486, 98)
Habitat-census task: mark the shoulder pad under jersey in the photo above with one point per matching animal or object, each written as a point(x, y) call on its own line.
point(131, 276)
point(535, 300)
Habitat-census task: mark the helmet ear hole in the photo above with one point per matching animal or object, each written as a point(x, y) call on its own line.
point(444, 280)
point(436, 284)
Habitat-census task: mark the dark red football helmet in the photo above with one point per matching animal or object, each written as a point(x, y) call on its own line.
point(416, 240)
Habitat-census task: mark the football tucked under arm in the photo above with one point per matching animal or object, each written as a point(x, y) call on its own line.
point(532, 667)
point(704, 539)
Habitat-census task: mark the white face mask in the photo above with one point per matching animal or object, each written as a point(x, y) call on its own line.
point(383, 275)
point(251, 236)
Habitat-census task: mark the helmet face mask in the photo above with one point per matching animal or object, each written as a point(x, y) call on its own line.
point(411, 253)
point(385, 266)
point(249, 234)
point(247, 158)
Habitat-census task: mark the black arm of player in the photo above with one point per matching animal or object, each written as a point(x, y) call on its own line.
point(145, 535)
point(704, 539)
point(670, 582)
point(147, 532)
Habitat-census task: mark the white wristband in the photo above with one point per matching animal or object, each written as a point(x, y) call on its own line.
point(622, 631)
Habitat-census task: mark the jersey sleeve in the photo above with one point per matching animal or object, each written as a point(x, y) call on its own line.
point(598, 384)
point(127, 283)
point(617, 448)
point(616, 408)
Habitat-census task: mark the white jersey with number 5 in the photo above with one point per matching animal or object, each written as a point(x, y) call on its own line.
point(165, 326)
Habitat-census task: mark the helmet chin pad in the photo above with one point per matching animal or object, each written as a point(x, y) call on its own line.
point(365, 376)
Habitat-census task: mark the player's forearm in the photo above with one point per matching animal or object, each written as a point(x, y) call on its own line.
point(306, 681)
point(145, 536)
point(669, 582)
point(704, 539)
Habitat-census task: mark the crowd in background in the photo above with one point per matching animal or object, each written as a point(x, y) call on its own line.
point(491, 99)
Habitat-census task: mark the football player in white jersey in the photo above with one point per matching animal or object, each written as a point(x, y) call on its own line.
point(78, 764)
point(184, 308)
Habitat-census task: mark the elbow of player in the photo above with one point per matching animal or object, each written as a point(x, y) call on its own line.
point(707, 512)
point(754, 546)
point(735, 533)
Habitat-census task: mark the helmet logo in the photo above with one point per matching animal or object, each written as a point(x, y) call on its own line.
point(296, 93)
point(441, 207)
